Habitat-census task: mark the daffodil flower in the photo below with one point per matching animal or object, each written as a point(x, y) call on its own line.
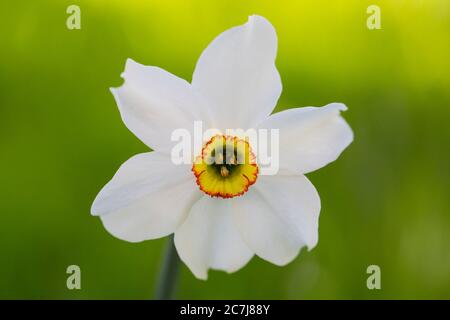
point(221, 212)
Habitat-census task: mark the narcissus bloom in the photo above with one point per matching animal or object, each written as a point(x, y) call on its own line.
point(222, 210)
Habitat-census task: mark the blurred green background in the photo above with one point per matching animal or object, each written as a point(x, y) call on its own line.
point(385, 201)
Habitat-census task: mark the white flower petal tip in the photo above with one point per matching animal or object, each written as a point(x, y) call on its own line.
point(338, 106)
point(256, 21)
point(348, 136)
point(237, 75)
point(132, 68)
point(130, 64)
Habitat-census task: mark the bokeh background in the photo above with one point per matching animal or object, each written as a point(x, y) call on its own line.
point(385, 201)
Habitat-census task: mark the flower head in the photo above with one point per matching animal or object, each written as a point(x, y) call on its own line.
point(221, 207)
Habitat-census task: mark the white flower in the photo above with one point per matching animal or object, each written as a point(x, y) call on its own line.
point(235, 85)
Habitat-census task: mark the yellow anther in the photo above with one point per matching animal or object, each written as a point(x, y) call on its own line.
point(224, 171)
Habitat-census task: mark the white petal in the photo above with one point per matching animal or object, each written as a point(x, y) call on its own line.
point(310, 137)
point(153, 102)
point(147, 198)
point(209, 239)
point(278, 216)
point(237, 74)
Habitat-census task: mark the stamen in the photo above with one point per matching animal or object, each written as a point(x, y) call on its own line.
point(224, 171)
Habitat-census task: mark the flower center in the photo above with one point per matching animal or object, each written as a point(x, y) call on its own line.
point(226, 168)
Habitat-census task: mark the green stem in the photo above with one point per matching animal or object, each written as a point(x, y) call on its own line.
point(168, 277)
